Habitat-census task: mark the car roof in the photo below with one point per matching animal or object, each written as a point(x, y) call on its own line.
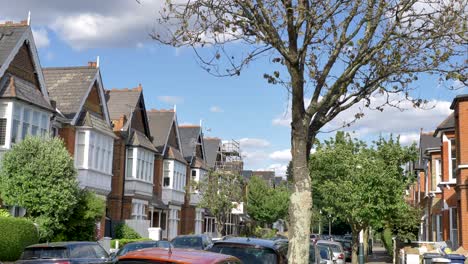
point(182, 236)
point(267, 243)
point(329, 242)
point(62, 244)
point(177, 255)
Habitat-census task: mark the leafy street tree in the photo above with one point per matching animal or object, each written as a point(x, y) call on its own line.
point(82, 223)
point(266, 204)
point(38, 174)
point(361, 185)
point(219, 191)
point(331, 53)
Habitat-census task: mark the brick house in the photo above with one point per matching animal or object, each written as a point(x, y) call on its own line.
point(83, 122)
point(25, 107)
point(131, 197)
point(441, 189)
point(193, 148)
point(170, 171)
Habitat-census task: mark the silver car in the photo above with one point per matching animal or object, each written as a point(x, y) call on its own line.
point(336, 248)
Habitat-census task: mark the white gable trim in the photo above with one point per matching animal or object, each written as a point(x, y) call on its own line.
point(176, 124)
point(28, 36)
point(97, 78)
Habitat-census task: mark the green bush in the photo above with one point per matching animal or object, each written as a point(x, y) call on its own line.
point(124, 241)
point(124, 231)
point(387, 241)
point(264, 232)
point(17, 233)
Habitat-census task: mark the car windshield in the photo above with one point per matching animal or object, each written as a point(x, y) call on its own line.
point(187, 242)
point(45, 253)
point(324, 252)
point(335, 248)
point(132, 247)
point(248, 254)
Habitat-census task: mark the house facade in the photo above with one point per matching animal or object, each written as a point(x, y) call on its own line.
point(131, 196)
point(197, 170)
point(82, 121)
point(442, 183)
point(171, 167)
point(25, 107)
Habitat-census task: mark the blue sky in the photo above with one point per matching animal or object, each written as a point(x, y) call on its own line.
point(245, 108)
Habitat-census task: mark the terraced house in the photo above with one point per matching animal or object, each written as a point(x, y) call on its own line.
point(194, 151)
point(171, 166)
point(442, 186)
point(25, 107)
point(131, 197)
point(82, 121)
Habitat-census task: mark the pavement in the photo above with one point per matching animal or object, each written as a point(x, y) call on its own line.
point(379, 255)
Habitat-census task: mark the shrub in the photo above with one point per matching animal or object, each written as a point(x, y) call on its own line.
point(124, 231)
point(17, 233)
point(4, 213)
point(124, 241)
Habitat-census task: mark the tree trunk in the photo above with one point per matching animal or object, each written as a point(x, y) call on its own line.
point(366, 242)
point(355, 246)
point(301, 199)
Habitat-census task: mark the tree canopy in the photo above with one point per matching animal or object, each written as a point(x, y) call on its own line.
point(266, 204)
point(361, 185)
point(38, 174)
point(219, 193)
point(329, 54)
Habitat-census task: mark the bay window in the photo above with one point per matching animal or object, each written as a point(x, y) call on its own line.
point(94, 151)
point(453, 156)
point(3, 123)
point(140, 164)
point(139, 209)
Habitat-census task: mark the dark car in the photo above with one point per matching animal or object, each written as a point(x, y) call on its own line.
point(347, 247)
point(139, 245)
point(65, 253)
point(200, 242)
point(253, 250)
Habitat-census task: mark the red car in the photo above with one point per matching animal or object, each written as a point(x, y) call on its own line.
point(176, 255)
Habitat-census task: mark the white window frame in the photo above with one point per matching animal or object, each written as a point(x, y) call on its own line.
point(142, 164)
point(452, 178)
point(92, 159)
point(438, 173)
point(139, 209)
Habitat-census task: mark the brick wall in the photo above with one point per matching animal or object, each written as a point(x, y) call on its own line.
point(115, 198)
point(68, 136)
point(461, 135)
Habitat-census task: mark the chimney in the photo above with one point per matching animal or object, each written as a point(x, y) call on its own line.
point(92, 64)
point(139, 88)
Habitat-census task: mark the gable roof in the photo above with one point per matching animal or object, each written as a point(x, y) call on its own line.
point(12, 38)
point(189, 136)
point(427, 141)
point(69, 86)
point(9, 37)
point(212, 148)
point(126, 102)
point(447, 124)
point(160, 124)
point(122, 101)
point(139, 139)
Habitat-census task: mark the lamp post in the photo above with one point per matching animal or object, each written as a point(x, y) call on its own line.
point(329, 225)
point(361, 247)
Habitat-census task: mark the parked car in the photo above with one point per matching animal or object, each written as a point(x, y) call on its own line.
point(325, 252)
point(348, 248)
point(337, 249)
point(139, 245)
point(253, 250)
point(315, 237)
point(200, 242)
point(176, 256)
point(65, 253)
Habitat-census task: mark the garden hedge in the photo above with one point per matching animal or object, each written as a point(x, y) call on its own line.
point(124, 241)
point(17, 233)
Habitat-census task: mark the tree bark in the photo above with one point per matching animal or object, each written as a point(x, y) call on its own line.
point(366, 242)
point(300, 208)
point(355, 246)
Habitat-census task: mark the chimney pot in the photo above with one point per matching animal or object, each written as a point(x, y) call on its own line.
point(92, 64)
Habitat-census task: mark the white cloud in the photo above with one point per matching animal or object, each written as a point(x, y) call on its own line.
point(404, 119)
point(171, 99)
point(216, 109)
point(41, 38)
point(281, 155)
point(409, 138)
point(246, 143)
point(278, 168)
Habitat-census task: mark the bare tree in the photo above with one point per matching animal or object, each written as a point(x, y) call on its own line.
point(335, 52)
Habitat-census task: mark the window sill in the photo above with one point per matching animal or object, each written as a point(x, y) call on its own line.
point(94, 170)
